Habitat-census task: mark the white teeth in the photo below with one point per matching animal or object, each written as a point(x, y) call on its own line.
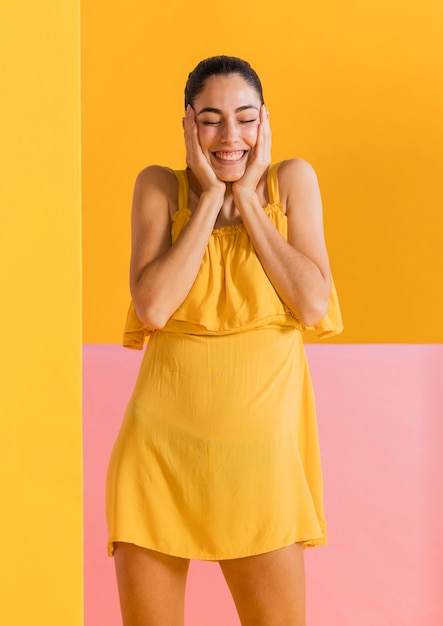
point(230, 156)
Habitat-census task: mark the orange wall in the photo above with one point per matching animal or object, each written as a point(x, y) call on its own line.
point(354, 87)
point(40, 443)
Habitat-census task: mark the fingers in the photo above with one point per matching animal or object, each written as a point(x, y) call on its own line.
point(265, 129)
point(194, 152)
point(262, 150)
point(190, 125)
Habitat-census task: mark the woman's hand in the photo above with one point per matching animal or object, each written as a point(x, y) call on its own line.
point(260, 159)
point(195, 159)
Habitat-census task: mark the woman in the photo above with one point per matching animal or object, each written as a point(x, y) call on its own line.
point(218, 457)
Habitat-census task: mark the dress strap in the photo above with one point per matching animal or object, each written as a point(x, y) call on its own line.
point(183, 191)
point(273, 190)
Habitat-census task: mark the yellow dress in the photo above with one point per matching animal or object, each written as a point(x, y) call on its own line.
point(218, 454)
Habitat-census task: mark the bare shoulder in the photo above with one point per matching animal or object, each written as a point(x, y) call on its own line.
point(299, 190)
point(156, 174)
point(300, 197)
point(156, 185)
point(155, 196)
point(296, 174)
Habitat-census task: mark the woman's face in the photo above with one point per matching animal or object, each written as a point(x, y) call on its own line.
point(227, 112)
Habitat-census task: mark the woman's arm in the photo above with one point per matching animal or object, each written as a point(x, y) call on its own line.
point(162, 274)
point(298, 268)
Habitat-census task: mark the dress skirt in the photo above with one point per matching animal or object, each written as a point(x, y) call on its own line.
point(218, 456)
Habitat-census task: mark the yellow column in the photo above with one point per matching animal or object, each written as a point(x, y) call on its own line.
point(40, 443)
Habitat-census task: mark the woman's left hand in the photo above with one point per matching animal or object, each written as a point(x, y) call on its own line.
point(260, 159)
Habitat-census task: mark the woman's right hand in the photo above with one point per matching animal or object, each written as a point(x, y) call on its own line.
point(195, 159)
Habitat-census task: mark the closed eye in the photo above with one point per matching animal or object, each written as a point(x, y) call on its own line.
point(210, 123)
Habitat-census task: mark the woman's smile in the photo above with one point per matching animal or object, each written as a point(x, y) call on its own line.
point(230, 156)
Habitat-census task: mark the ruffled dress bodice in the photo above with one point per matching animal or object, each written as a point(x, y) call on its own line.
point(231, 292)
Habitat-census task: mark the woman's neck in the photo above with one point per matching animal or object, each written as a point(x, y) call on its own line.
point(228, 213)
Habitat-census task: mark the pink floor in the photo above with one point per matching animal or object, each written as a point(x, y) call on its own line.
point(380, 413)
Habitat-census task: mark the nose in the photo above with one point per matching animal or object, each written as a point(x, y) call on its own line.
point(229, 132)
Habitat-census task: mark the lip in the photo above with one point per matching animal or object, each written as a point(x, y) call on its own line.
point(242, 154)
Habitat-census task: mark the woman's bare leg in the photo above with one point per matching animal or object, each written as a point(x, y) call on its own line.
point(151, 586)
point(268, 589)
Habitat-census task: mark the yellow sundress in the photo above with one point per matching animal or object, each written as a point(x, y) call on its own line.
point(218, 453)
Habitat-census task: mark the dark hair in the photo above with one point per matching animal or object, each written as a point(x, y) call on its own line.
point(219, 66)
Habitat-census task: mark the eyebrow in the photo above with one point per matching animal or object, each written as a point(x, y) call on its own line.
point(220, 112)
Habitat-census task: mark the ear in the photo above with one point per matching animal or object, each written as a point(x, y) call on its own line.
point(183, 122)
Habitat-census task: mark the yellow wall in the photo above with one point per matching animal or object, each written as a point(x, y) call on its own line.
point(354, 87)
point(40, 443)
